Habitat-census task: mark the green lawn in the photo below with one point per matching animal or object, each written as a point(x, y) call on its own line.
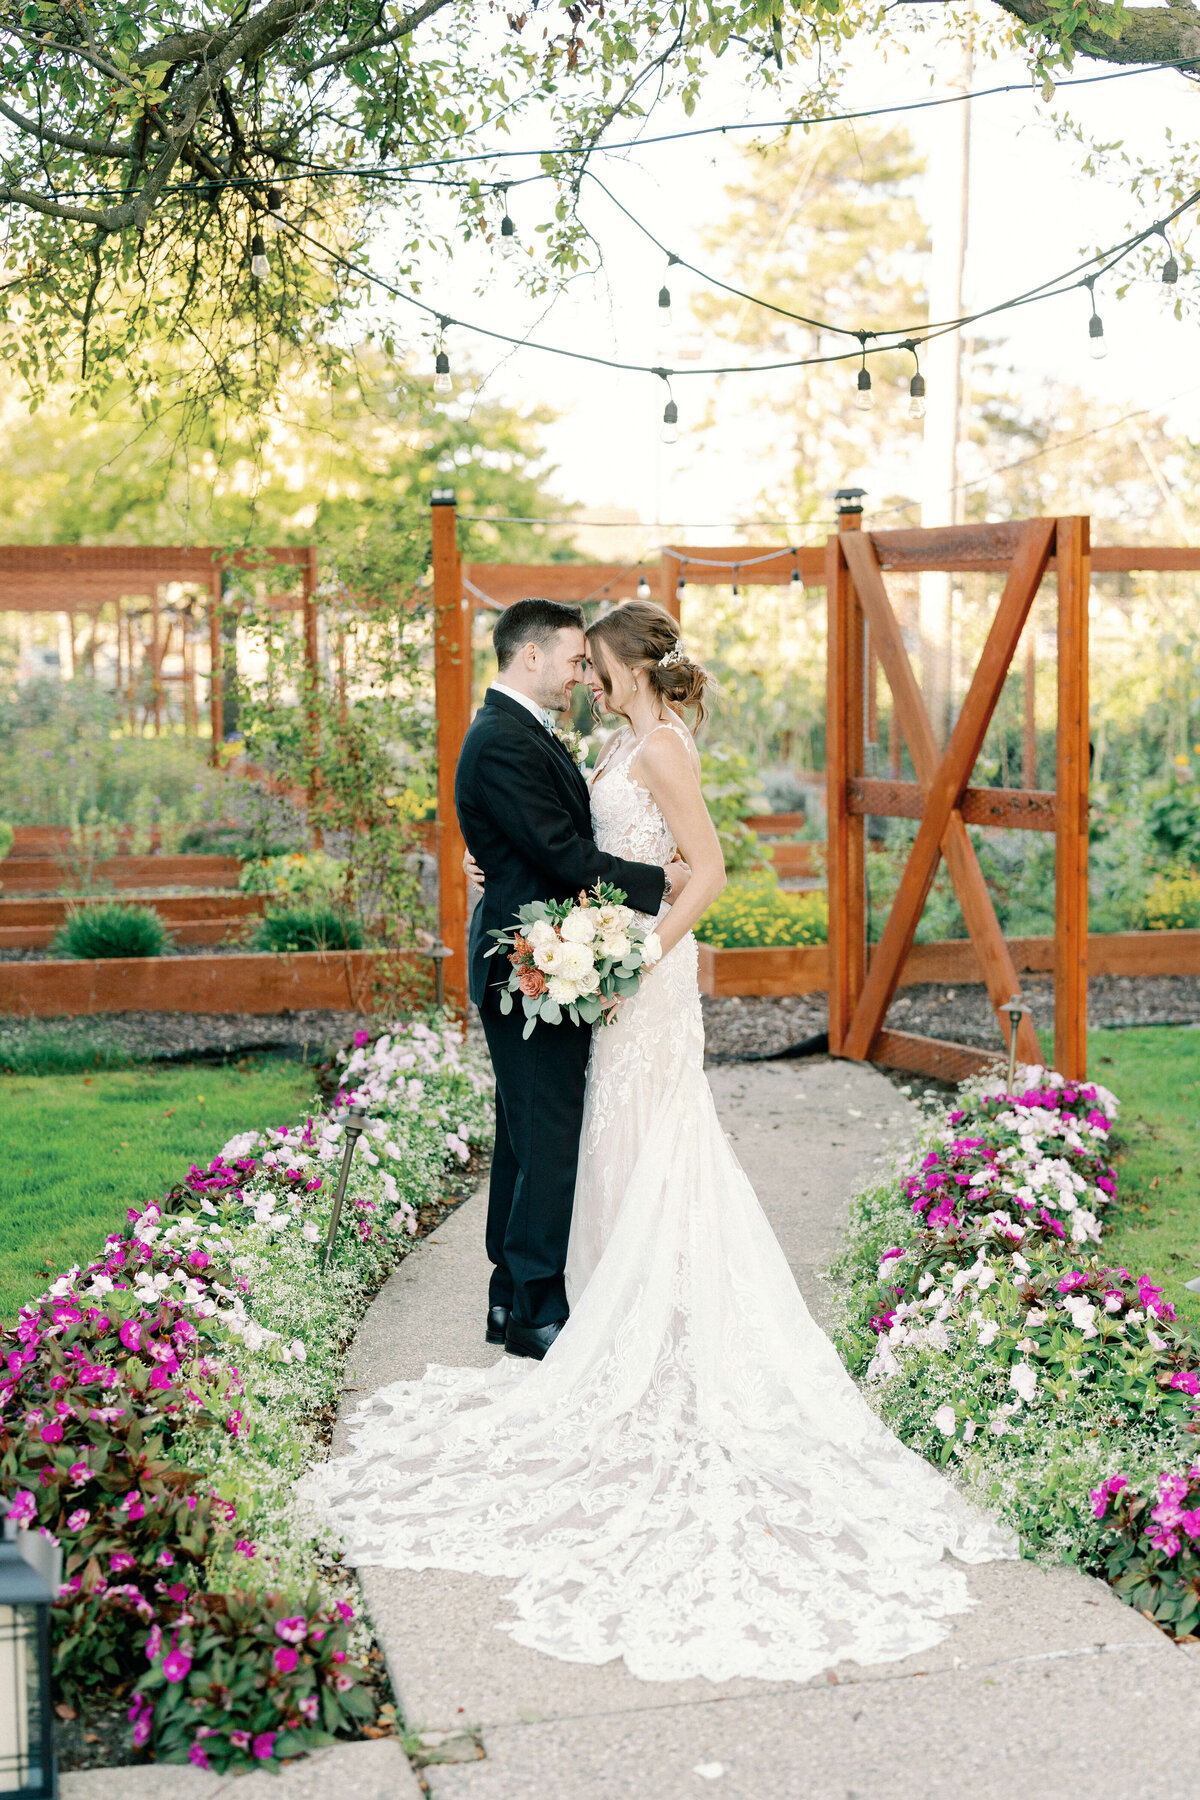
point(76, 1149)
point(1155, 1073)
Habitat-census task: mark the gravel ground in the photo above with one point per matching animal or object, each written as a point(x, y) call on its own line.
point(735, 1028)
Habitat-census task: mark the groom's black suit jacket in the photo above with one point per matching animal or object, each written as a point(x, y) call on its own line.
point(524, 812)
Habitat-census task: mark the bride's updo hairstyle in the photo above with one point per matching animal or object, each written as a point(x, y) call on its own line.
point(646, 639)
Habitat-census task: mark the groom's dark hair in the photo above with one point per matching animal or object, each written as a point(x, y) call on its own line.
point(532, 622)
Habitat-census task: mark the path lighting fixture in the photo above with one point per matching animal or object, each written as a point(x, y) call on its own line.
point(439, 952)
point(260, 268)
point(275, 219)
point(1097, 347)
point(643, 588)
point(30, 1577)
point(670, 424)
point(354, 1124)
point(1015, 1009)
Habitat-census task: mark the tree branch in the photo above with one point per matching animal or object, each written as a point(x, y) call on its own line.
point(1159, 34)
point(56, 209)
point(65, 140)
point(380, 39)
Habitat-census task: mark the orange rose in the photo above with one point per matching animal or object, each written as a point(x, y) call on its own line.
point(533, 982)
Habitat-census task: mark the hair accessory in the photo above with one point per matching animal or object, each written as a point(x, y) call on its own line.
point(676, 654)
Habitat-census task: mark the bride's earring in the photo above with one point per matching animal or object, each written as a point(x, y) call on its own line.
point(635, 684)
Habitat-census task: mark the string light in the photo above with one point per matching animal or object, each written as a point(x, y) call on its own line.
point(508, 231)
point(260, 268)
point(670, 424)
point(864, 399)
point(680, 585)
point(1170, 269)
point(795, 581)
point(442, 383)
point(1097, 347)
point(643, 589)
point(735, 581)
point(275, 219)
point(916, 387)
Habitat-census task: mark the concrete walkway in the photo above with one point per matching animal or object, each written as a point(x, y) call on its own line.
point(1049, 1686)
point(1049, 1681)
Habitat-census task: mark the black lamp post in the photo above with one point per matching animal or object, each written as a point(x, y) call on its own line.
point(27, 1589)
point(354, 1123)
point(1015, 1008)
point(439, 953)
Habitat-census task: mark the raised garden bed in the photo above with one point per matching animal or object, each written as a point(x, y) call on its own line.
point(805, 969)
point(192, 918)
point(48, 874)
point(239, 983)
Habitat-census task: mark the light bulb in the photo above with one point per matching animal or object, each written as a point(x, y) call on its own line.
point(680, 585)
point(643, 589)
point(664, 307)
point(442, 383)
point(864, 399)
point(1097, 347)
point(1170, 271)
point(795, 581)
point(275, 219)
point(260, 268)
point(670, 424)
point(916, 396)
point(508, 236)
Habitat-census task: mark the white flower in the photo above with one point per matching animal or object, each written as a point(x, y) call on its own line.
point(968, 1430)
point(298, 1350)
point(985, 1277)
point(883, 1363)
point(548, 955)
point(612, 919)
point(575, 961)
point(562, 991)
point(578, 927)
point(1020, 1263)
point(1026, 1346)
point(310, 1233)
point(540, 933)
point(989, 1331)
point(589, 983)
point(998, 1427)
point(651, 949)
point(946, 1420)
point(614, 944)
point(1024, 1380)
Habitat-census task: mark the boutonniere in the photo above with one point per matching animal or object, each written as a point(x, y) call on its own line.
point(574, 743)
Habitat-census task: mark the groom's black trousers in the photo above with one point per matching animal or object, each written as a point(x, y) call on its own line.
point(539, 1106)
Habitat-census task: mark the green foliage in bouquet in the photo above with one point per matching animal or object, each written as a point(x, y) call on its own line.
point(120, 929)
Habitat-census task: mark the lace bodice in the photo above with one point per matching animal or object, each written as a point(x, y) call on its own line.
point(625, 818)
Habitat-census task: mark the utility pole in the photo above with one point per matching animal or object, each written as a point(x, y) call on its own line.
point(942, 361)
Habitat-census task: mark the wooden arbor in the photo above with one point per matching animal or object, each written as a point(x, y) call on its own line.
point(862, 626)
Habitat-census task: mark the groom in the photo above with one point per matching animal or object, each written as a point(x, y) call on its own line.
point(525, 815)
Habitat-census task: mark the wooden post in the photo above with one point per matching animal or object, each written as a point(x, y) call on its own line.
point(312, 679)
point(451, 675)
point(1029, 754)
point(156, 658)
point(1071, 807)
point(216, 669)
point(670, 569)
point(846, 867)
point(120, 649)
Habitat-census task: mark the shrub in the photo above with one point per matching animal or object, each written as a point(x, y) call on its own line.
point(121, 928)
point(756, 913)
point(1173, 903)
point(997, 1339)
point(295, 875)
point(308, 928)
point(1173, 817)
point(732, 790)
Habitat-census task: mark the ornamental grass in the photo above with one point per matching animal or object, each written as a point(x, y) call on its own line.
point(158, 1407)
point(121, 929)
point(997, 1339)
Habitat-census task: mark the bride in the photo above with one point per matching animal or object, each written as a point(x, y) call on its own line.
point(689, 1480)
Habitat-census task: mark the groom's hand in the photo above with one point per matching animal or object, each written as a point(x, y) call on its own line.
point(678, 875)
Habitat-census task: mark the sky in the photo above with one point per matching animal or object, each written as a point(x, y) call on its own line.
point(1032, 212)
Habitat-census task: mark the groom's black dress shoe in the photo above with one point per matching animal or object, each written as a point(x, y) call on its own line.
point(497, 1324)
point(531, 1340)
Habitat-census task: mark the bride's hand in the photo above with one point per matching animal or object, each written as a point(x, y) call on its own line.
point(472, 871)
point(678, 875)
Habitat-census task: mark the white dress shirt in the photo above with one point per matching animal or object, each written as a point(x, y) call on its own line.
point(532, 706)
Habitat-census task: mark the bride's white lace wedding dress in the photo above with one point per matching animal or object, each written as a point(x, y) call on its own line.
point(690, 1480)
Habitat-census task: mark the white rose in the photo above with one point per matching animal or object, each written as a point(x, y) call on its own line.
point(574, 961)
point(651, 949)
point(589, 982)
point(946, 1420)
point(561, 990)
point(578, 927)
point(540, 933)
point(615, 945)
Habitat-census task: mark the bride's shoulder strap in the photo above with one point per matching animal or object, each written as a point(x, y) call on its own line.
point(680, 730)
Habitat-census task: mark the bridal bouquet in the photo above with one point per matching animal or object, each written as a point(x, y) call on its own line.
point(574, 956)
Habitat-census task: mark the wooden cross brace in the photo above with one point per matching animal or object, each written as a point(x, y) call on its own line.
point(943, 779)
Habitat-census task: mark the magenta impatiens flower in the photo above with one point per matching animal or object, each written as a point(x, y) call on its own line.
point(292, 1630)
point(130, 1334)
point(263, 1746)
point(1187, 1381)
point(177, 1665)
point(23, 1510)
point(286, 1659)
point(52, 1433)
